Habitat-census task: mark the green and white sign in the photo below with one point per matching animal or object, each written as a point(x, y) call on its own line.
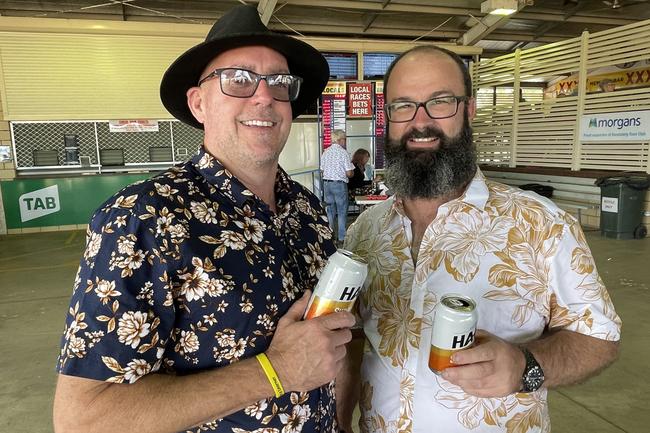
point(39, 203)
point(59, 201)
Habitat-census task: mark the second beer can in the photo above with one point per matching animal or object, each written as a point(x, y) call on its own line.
point(454, 328)
point(338, 285)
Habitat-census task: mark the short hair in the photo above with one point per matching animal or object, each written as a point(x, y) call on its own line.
point(337, 135)
point(358, 154)
point(467, 79)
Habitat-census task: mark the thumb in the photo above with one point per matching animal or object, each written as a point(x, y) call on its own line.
point(298, 308)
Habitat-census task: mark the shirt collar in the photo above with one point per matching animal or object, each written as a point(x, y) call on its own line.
point(477, 192)
point(230, 186)
point(476, 195)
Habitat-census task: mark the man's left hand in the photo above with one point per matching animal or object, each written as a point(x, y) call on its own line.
point(491, 368)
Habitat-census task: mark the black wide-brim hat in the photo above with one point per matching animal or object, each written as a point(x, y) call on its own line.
point(240, 27)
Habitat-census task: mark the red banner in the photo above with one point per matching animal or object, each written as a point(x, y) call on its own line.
point(359, 99)
point(380, 124)
point(333, 110)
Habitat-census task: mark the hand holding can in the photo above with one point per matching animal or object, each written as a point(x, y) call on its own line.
point(454, 328)
point(308, 353)
point(339, 284)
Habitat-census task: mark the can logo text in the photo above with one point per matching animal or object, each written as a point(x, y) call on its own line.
point(349, 293)
point(462, 340)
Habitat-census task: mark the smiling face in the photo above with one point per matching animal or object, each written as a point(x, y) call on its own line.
point(425, 157)
point(243, 133)
point(418, 77)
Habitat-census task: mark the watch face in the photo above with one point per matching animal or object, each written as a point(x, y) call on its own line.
point(534, 379)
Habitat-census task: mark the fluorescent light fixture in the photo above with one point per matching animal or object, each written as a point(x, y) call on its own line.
point(500, 7)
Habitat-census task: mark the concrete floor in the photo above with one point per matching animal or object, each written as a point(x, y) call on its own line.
point(37, 270)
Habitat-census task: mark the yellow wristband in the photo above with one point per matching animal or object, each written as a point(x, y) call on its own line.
point(271, 375)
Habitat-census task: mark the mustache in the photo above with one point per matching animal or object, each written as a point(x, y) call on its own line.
point(427, 132)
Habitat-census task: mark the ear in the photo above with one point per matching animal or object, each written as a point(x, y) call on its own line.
point(195, 103)
point(471, 108)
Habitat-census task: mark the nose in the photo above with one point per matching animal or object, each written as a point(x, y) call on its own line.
point(422, 117)
point(263, 93)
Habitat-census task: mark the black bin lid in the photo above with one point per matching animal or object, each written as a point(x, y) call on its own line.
point(639, 182)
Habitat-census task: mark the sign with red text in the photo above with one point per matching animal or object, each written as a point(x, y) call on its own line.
point(139, 125)
point(380, 124)
point(332, 110)
point(359, 99)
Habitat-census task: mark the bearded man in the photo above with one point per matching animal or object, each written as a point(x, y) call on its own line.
point(544, 317)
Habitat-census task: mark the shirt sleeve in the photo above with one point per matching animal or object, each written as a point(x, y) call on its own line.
point(121, 313)
point(348, 162)
point(579, 300)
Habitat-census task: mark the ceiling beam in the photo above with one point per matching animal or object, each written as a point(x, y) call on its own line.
point(385, 6)
point(372, 31)
point(446, 35)
point(368, 20)
point(373, 16)
point(568, 13)
point(265, 9)
point(455, 11)
point(535, 16)
point(482, 28)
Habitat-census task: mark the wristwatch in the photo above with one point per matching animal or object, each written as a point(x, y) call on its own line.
point(533, 376)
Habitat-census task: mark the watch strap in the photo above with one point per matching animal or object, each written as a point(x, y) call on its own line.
point(533, 375)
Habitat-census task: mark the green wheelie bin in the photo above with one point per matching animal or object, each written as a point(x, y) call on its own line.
point(621, 206)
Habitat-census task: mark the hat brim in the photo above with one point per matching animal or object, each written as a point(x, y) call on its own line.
point(303, 60)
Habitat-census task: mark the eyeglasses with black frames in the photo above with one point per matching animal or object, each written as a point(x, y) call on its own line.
point(242, 83)
point(436, 108)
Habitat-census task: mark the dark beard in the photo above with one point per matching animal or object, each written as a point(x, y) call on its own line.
point(430, 173)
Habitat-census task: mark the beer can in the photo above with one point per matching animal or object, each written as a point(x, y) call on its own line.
point(339, 284)
point(454, 328)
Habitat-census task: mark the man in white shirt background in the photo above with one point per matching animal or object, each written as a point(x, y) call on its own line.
point(337, 168)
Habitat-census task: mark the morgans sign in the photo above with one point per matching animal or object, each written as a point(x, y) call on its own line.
point(626, 126)
point(39, 203)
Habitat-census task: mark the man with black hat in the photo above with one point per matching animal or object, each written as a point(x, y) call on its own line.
point(202, 273)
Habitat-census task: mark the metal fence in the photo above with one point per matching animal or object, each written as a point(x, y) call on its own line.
point(93, 138)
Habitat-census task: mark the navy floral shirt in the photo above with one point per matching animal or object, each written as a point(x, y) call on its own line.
point(190, 271)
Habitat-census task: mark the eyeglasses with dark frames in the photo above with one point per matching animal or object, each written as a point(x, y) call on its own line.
point(242, 83)
point(436, 108)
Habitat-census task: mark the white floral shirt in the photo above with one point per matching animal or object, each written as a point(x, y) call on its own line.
point(334, 162)
point(523, 260)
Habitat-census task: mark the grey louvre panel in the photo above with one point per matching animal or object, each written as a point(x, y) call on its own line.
point(111, 156)
point(45, 157)
point(160, 154)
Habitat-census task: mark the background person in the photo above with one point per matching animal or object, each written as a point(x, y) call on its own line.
point(337, 169)
point(359, 159)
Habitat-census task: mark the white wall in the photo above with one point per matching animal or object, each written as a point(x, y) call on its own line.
point(301, 153)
